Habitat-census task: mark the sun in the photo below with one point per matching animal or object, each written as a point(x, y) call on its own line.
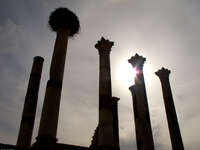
point(126, 73)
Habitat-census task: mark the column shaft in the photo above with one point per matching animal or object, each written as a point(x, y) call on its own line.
point(106, 130)
point(30, 104)
point(115, 122)
point(50, 111)
point(59, 55)
point(142, 118)
point(105, 92)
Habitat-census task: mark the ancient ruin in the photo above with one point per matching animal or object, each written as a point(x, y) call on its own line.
point(106, 135)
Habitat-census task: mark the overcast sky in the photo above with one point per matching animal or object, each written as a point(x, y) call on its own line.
point(166, 32)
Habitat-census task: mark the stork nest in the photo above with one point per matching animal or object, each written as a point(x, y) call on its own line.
point(64, 18)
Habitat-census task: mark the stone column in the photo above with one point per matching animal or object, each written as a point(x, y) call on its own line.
point(106, 129)
point(175, 134)
point(65, 24)
point(50, 111)
point(30, 104)
point(115, 122)
point(104, 49)
point(141, 111)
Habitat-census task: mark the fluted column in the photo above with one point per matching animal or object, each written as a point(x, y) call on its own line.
point(175, 134)
point(65, 23)
point(106, 129)
point(141, 111)
point(30, 104)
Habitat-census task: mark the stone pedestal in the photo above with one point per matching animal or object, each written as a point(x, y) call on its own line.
point(30, 104)
point(107, 136)
point(140, 105)
point(175, 134)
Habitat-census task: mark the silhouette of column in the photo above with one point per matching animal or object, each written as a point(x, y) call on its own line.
point(30, 104)
point(115, 122)
point(66, 24)
point(141, 111)
point(106, 127)
point(175, 134)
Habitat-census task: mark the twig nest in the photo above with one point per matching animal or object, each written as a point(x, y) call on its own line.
point(64, 18)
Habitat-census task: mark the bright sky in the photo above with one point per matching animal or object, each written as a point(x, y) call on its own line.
point(166, 33)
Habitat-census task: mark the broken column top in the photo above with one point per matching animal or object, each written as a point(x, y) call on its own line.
point(163, 73)
point(37, 65)
point(104, 46)
point(137, 61)
point(38, 58)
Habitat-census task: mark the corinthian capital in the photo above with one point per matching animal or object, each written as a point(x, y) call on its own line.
point(104, 46)
point(137, 61)
point(163, 73)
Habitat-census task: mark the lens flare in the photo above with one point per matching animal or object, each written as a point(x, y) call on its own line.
point(126, 73)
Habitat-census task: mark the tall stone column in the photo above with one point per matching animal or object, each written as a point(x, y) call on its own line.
point(30, 104)
point(175, 134)
point(65, 23)
point(141, 111)
point(106, 137)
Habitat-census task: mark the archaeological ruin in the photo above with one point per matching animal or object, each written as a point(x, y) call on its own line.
point(106, 135)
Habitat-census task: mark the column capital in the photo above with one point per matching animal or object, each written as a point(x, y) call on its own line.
point(163, 73)
point(104, 46)
point(137, 61)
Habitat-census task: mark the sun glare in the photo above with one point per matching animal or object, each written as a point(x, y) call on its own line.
point(126, 73)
